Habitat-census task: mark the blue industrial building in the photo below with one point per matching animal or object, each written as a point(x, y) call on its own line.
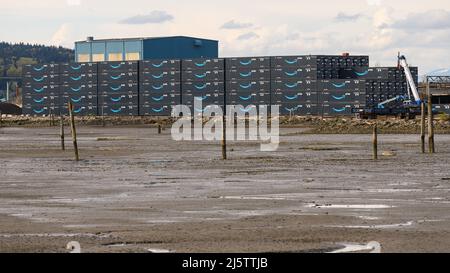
point(135, 49)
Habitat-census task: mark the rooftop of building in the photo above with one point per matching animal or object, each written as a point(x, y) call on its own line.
point(92, 39)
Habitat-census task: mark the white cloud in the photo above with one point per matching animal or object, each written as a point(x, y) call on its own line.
point(235, 25)
point(154, 17)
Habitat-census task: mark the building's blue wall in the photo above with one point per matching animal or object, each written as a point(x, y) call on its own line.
point(156, 48)
point(180, 48)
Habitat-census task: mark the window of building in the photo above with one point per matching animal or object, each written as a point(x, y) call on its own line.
point(132, 56)
point(115, 57)
point(98, 57)
point(83, 58)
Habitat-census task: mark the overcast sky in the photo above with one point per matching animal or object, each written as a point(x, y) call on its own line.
point(379, 28)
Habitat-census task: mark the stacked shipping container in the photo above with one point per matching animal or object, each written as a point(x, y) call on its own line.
point(118, 88)
point(160, 87)
point(300, 85)
point(203, 84)
point(41, 89)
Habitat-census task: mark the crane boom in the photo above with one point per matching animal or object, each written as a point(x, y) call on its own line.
point(412, 85)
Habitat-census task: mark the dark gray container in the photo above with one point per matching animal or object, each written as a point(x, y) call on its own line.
point(246, 63)
point(292, 73)
point(160, 88)
point(160, 76)
point(41, 79)
point(203, 64)
point(294, 97)
point(203, 88)
point(116, 67)
point(203, 76)
point(118, 88)
point(118, 77)
point(115, 99)
point(288, 85)
point(159, 65)
point(248, 86)
point(76, 78)
point(78, 68)
point(159, 99)
point(294, 61)
point(40, 69)
point(118, 110)
point(248, 74)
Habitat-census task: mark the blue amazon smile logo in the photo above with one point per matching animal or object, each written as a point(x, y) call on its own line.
point(39, 90)
point(76, 67)
point(158, 76)
point(246, 86)
point(291, 62)
point(115, 66)
point(339, 85)
point(339, 97)
point(200, 76)
point(201, 98)
point(38, 68)
point(76, 100)
point(291, 97)
point(78, 110)
point(158, 65)
point(158, 98)
point(76, 78)
point(339, 110)
point(76, 89)
point(39, 100)
point(200, 87)
point(116, 110)
point(246, 75)
point(291, 74)
point(249, 62)
point(247, 109)
point(246, 98)
point(201, 64)
point(39, 79)
point(116, 99)
point(116, 88)
point(362, 73)
point(291, 109)
point(116, 77)
point(157, 87)
point(40, 111)
point(291, 85)
point(159, 110)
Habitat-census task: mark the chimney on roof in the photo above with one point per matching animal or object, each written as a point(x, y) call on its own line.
point(90, 39)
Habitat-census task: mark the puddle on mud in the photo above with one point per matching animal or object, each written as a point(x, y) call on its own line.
point(336, 206)
point(407, 224)
point(372, 247)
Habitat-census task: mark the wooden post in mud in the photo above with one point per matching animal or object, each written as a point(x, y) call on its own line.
point(430, 121)
point(74, 132)
point(375, 142)
point(224, 137)
point(50, 117)
point(159, 129)
point(1, 119)
point(422, 126)
point(61, 133)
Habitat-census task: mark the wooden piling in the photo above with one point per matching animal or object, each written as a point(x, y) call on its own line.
point(375, 142)
point(61, 133)
point(159, 129)
point(431, 147)
point(224, 137)
point(422, 126)
point(74, 132)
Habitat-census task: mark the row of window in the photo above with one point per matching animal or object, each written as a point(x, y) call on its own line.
point(131, 56)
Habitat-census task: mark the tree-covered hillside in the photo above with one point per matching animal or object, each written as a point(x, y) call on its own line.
point(14, 56)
